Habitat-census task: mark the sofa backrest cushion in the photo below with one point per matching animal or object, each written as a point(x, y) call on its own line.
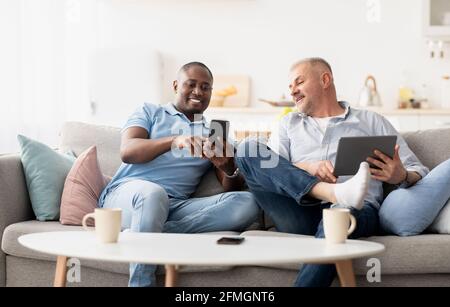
point(432, 147)
point(78, 137)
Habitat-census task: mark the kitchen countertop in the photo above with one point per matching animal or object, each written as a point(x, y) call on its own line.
point(276, 110)
point(386, 111)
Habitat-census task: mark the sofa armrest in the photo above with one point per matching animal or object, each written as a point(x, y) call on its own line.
point(14, 200)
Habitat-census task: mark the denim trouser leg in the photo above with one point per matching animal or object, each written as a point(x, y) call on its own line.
point(266, 171)
point(232, 211)
point(279, 188)
point(322, 275)
point(281, 191)
point(287, 215)
point(408, 212)
point(145, 208)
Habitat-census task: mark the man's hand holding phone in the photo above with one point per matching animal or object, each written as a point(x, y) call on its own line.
point(221, 154)
point(193, 143)
point(217, 149)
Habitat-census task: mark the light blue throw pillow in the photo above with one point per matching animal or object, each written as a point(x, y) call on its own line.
point(45, 173)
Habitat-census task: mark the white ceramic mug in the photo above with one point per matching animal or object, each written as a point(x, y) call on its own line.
point(338, 223)
point(108, 223)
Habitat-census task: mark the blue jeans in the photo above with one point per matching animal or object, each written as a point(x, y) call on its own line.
point(410, 211)
point(282, 192)
point(147, 208)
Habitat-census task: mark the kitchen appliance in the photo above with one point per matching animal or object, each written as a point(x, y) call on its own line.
point(369, 96)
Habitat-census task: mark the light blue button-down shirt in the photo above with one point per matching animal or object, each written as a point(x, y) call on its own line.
point(176, 171)
point(300, 139)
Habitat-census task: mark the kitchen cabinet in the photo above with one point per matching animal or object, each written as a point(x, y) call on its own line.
point(416, 119)
point(436, 19)
point(434, 122)
point(404, 122)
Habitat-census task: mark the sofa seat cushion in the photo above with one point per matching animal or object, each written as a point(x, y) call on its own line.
point(426, 253)
point(404, 255)
point(11, 246)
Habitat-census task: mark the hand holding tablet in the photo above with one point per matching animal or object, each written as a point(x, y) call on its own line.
point(354, 150)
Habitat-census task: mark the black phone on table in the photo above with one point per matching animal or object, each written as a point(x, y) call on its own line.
point(230, 240)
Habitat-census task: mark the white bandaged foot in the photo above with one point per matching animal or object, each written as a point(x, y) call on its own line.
point(352, 192)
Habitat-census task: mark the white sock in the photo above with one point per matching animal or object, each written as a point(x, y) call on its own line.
point(352, 192)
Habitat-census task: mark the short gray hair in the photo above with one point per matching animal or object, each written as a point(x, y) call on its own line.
point(313, 62)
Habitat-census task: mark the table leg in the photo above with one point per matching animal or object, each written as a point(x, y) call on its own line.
point(171, 275)
point(345, 272)
point(61, 272)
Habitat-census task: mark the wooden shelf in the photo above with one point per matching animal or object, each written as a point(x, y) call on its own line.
point(249, 110)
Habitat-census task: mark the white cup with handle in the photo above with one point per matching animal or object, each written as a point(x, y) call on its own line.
point(108, 224)
point(338, 224)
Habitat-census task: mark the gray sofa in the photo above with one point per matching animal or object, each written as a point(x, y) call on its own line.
point(413, 261)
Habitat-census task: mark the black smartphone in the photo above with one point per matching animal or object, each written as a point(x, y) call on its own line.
point(230, 240)
point(219, 129)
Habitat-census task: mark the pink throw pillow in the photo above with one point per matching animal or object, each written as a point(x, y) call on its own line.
point(82, 188)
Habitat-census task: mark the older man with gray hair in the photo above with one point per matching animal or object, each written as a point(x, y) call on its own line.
point(295, 190)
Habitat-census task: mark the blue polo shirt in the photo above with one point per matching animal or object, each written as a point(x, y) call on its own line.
point(176, 170)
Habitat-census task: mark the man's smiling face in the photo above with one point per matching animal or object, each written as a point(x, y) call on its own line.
point(305, 88)
point(193, 90)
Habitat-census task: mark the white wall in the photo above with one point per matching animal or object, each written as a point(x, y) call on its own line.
point(31, 69)
point(46, 45)
point(263, 38)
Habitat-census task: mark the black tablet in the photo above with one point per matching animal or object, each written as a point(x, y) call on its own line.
point(354, 150)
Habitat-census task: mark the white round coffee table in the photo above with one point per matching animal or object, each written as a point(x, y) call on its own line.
point(172, 250)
